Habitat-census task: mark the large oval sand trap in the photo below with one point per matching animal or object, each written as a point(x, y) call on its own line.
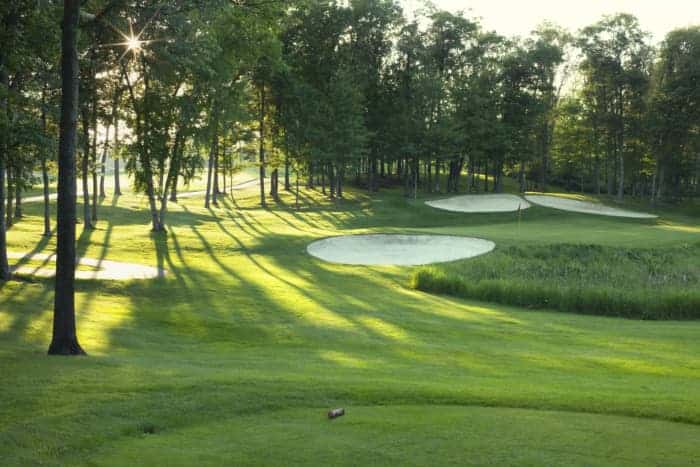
point(480, 203)
point(104, 269)
point(398, 250)
point(574, 205)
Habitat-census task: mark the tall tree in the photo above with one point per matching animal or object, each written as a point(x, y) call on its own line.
point(65, 339)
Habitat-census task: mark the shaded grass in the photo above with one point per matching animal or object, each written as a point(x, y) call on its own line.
point(659, 283)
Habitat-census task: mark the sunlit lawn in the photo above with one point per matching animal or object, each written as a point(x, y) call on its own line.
point(234, 356)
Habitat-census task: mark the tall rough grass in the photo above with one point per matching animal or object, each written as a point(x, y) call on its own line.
point(660, 283)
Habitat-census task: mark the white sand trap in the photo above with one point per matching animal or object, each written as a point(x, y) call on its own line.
point(105, 270)
point(480, 203)
point(574, 205)
point(399, 250)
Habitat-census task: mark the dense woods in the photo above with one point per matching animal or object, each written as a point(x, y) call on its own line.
point(334, 93)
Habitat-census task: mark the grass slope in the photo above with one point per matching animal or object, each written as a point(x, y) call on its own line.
point(236, 354)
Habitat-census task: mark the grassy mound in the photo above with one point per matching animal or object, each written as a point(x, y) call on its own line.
point(659, 283)
point(385, 435)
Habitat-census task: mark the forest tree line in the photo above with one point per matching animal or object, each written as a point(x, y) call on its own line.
point(340, 92)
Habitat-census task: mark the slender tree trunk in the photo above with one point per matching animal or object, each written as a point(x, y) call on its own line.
point(10, 197)
point(94, 179)
point(4, 265)
point(45, 171)
point(210, 171)
point(262, 146)
point(296, 201)
point(103, 162)
point(339, 181)
point(65, 339)
point(215, 188)
point(215, 181)
point(47, 209)
point(621, 176)
point(287, 186)
point(274, 183)
point(85, 161)
point(117, 186)
point(18, 196)
point(4, 108)
point(93, 146)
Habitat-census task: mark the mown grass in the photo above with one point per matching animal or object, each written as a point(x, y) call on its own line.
point(647, 283)
point(234, 357)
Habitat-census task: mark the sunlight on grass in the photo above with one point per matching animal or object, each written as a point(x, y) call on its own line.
point(384, 328)
point(667, 225)
point(343, 359)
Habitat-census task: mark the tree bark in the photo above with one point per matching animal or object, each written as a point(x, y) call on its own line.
point(212, 149)
point(18, 196)
point(262, 147)
point(103, 162)
point(87, 225)
point(45, 171)
point(94, 157)
point(47, 208)
point(4, 265)
point(65, 339)
point(117, 186)
point(10, 196)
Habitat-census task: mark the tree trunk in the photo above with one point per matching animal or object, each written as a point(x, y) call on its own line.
point(262, 146)
point(210, 171)
point(287, 186)
point(274, 183)
point(47, 209)
point(65, 339)
point(296, 201)
point(486, 176)
point(621, 176)
point(117, 187)
point(4, 265)
point(215, 181)
point(45, 171)
point(10, 196)
point(18, 196)
point(215, 187)
point(93, 146)
point(87, 225)
point(103, 161)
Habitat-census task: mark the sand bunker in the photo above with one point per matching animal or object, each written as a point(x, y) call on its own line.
point(104, 269)
point(567, 204)
point(399, 250)
point(480, 203)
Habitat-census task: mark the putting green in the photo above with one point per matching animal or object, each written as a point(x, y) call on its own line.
point(398, 250)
